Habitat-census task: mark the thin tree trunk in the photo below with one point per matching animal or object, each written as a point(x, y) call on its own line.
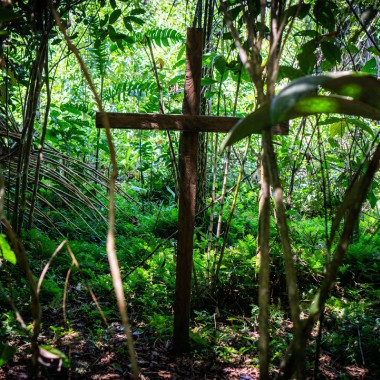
point(212, 211)
point(27, 140)
point(42, 140)
point(263, 255)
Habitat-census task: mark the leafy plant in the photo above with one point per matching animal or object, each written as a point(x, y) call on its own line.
point(357, 95)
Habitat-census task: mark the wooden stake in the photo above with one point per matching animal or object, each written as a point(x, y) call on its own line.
point(187, 195)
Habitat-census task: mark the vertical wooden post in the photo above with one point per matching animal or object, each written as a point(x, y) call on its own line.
point(187, 194)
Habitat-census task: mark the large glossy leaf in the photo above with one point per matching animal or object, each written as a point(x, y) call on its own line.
point(314, 105)
point(256, 122)
point(357, 86)
point(363, 87)
point(260, 120)
point(359, 96)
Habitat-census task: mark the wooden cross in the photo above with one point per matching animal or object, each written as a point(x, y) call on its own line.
point(190, 124)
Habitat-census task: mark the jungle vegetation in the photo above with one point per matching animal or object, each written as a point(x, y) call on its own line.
point(286, 258)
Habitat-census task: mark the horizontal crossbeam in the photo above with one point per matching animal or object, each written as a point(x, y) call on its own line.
point(170, 122)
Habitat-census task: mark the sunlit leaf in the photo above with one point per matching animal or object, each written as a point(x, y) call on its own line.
point(208, 81)
point(370, 66)
point(337, 129)
point(298, 99)
point(6, 251)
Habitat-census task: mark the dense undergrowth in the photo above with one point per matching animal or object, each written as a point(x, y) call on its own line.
point(224, 319)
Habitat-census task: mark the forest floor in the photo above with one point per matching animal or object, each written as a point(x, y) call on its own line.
point(92, 359)
point(156, 362)
point(222, 348)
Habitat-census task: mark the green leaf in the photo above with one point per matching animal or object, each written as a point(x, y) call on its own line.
point(372, 199)
point(337, 129)
point(296, 100)
point(362, 125)
point(162, 37)
point(111, 31)
point(115, 36)
point(357, 86)
point(370, 66)
point(220, 63)
point(327, 66)
point(178, 78)
point(227, 36)
point(303, 10)
point(315, 105)
point(307, 33)
point(128, 39)
point(127, 24)
point(69, 108)
point(6, 353)
point(181, 62)
point(331, 52)
point(352, 48)
point(6, 251)
point(54, 113)
point(181, 52)
point(207, 58)
point(48, 353)
point(119, 43)
point(323, 14)
point(136, 20)
point(371, 49)
point(207, 81)
point(137, 11)
point(114, 16)
point(113, 3)
point(289, 72)
point(209, 94)
point(306, 57)
point(330, 120)
point(255, 122)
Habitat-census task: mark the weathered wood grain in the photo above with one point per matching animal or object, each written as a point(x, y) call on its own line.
point(187, 192)
point(169, 122)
